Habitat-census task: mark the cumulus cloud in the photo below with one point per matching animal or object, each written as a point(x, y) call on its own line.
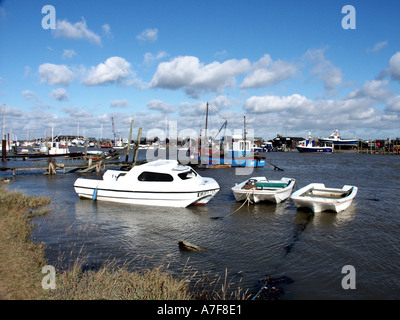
point(268, 72)
point(150, 35)
point(330, 75)
point(270, 103)
point(76, 31)
point(59, 94)
point(114, 69)
point(56, 74)
point(394, 66)
point(150, 58)
point(30, 95)
point(374, 89)
point(194, 78)
point(393, 105)
point(68, 54)
point(161, 106)
point(119, 103)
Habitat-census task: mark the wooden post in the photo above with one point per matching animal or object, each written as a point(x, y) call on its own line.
point(129, 143)
point(137, 147)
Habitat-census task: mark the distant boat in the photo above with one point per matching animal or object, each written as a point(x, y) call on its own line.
point(258, 189)
point(317, 197)
point(309, 146)
point(236, 152)
point(337, 140)
point(158, 183)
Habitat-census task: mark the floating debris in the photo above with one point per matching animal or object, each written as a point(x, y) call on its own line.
point(187, 246)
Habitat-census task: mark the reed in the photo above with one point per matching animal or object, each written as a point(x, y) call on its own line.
point(21, 262)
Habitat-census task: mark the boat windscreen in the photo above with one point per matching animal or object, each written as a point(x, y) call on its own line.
point(187, 175)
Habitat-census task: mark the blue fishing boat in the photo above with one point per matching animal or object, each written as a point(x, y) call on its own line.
point(310, 146)
point(337, 140)
point(234, 151)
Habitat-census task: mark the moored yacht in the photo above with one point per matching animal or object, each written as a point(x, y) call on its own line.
point(157, 183)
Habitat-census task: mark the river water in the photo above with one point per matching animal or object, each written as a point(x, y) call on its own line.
point(256, 241)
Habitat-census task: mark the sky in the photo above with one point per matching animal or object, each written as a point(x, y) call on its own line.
point(288, 67)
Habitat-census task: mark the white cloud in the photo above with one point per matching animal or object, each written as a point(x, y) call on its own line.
point(330, 75)
point(55, 74)
point(161, 106)
point(150, 35)
point(268, 72)
point(194, 78)
point(374, 89)
point(30, 95)
point(268, 103)
point(394, 66)
point(393, 105)
point(78, 30)
point(119, 103)
point(378, 46)
point(114, 69)
point(150, 58)
point(107, 30)
point(59, 94)
point(68, 54)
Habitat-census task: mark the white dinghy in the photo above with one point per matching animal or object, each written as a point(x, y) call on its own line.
point(258, 189)
point(158, 183)
point(319, 198)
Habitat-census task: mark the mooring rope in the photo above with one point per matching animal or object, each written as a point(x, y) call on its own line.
point(248, 201)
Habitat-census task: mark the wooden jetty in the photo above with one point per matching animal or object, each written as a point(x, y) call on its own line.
point(81, 162)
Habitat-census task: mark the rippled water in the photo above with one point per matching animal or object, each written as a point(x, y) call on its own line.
point(255, 241)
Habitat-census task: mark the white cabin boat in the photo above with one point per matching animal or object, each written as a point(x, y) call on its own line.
point(157, 183)
point(319, 198)
point(259, 189)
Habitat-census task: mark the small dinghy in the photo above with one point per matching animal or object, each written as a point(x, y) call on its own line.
point(319, 198)
point(258, 189)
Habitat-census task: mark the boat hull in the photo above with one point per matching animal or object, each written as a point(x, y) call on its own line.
point(98, 190)
point(318, 198)
point(234, 162)
point(273, 193)
point(323, 150)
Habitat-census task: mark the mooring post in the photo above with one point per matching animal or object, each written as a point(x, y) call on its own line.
point(137, 147)
point(129, 143)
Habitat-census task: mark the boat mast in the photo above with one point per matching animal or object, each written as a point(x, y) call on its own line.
point(205, 134)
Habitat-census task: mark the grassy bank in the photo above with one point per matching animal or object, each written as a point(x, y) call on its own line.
point(21, 260)
point(21, 263)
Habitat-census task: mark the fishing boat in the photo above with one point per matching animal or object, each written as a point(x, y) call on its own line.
point(258, 189)
point(158, 183)
point(337, 140)
point(319, 198)
point(233, 151)
point(310, 146)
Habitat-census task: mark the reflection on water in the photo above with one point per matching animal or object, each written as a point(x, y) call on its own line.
point(256, 241)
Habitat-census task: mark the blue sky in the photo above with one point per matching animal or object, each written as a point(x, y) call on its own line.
point(289, 66)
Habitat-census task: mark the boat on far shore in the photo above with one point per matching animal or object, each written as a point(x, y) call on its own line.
point(311, 146)
point(337, 140)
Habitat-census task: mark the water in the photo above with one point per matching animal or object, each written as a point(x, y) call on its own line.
point(256, 241)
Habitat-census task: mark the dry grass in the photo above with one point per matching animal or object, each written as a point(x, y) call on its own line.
point(21, 262)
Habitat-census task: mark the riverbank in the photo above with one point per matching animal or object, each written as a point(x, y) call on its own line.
point(22, 260)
